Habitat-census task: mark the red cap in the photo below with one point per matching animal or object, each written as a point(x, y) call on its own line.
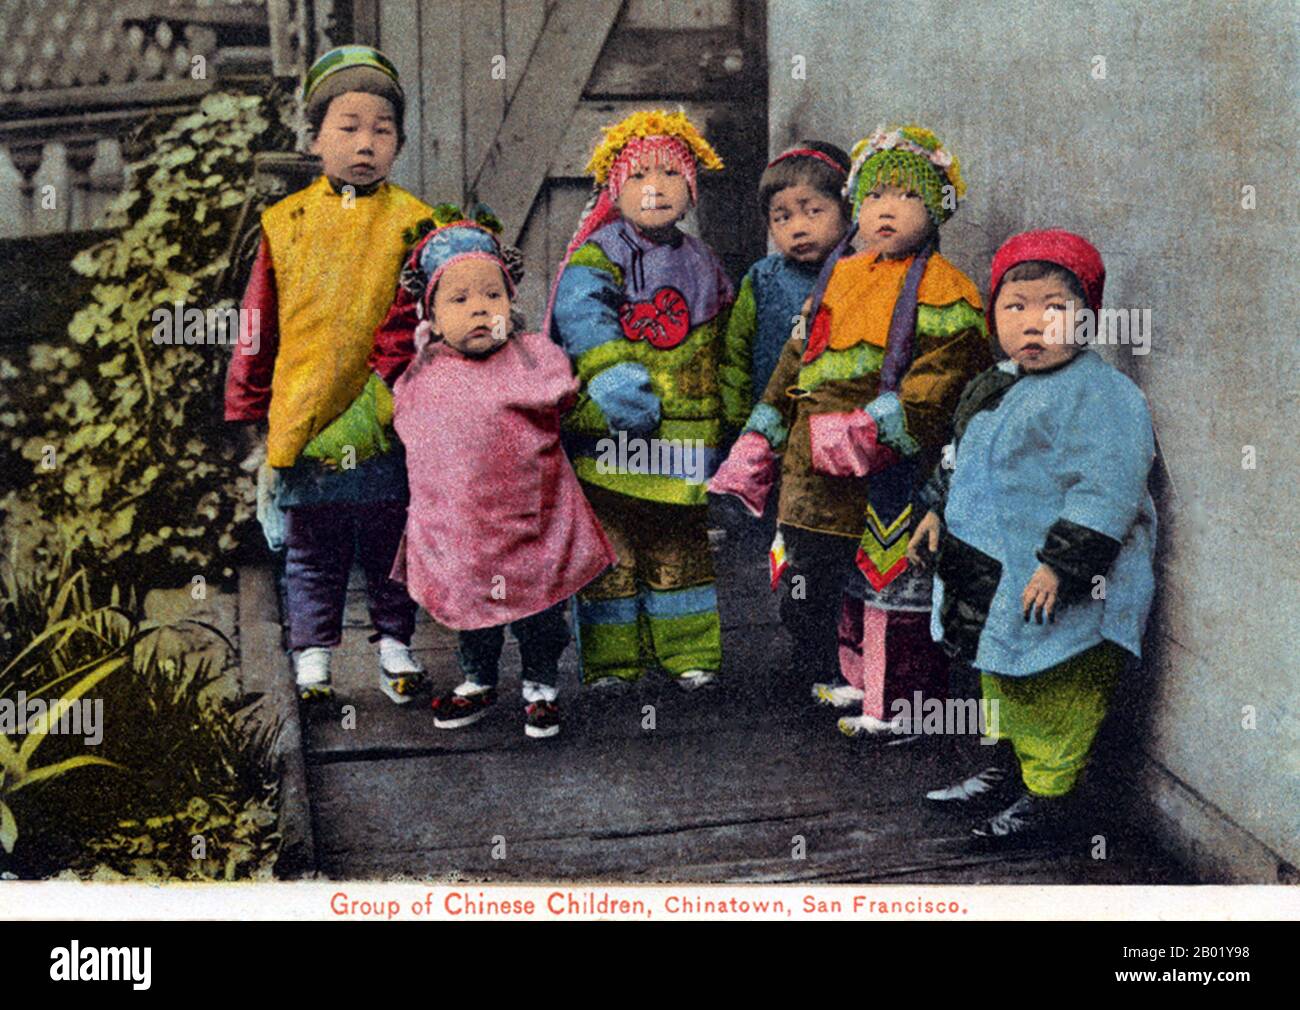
point(1065, 249)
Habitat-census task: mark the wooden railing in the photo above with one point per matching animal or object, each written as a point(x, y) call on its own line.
point(79, 78)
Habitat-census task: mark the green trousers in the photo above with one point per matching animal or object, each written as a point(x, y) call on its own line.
point(1052, 718)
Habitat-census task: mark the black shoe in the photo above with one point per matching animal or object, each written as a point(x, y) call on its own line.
point(989, 788)
point(1031, 820)
point(452, 711)
point(541, 719)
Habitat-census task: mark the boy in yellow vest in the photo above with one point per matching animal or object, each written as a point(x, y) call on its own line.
point(324, 277)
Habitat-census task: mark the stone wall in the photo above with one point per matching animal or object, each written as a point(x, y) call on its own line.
point(1149, 161)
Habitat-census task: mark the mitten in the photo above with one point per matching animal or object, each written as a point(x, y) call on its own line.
point(363, 426)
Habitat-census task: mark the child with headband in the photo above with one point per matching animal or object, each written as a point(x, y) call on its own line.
point(802, 196)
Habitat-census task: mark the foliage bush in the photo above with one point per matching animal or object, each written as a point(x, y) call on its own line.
point(182, 785)
point(143, 472)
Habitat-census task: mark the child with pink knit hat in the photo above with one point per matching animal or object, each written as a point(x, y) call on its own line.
point(640, 307)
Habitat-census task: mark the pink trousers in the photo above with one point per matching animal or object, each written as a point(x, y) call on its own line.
point(889, 655)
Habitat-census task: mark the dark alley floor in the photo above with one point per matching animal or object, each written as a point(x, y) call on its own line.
point(721, 790)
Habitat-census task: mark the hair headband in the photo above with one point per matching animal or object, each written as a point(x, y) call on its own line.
point(808, 152)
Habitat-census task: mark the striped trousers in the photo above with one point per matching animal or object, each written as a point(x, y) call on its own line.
point(657, 607)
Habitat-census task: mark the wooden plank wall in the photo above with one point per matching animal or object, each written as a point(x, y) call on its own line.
point(448, 51)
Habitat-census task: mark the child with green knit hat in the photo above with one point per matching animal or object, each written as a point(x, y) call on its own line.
point(323, 279)
point(852, 416)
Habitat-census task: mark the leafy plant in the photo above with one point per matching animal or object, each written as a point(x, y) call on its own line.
point(130, 460)
point(15, 761)
point(178, 761)
point(203, 773)
point(48, 618)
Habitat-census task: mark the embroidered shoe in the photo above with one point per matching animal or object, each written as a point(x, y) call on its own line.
point(1030, 821)
point(988, 788)
point(693, 680)
point(320, 691)
point(839, 695)
point(400, 675)
point(541, 719)
point(456, 710)
point(401, 688)
point(610, 685)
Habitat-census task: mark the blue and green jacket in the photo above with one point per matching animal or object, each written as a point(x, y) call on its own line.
point(643, 323)
point(767, 307)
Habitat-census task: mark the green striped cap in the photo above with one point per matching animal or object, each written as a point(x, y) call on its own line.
point(344, 58)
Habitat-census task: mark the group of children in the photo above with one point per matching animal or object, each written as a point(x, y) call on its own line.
point(934, 507)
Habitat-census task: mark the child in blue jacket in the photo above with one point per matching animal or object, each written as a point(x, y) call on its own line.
point(1044, 533)
point(801, 193)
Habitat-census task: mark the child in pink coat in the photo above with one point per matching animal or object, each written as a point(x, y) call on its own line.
point(498, 531)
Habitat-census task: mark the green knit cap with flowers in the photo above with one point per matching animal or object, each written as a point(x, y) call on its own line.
point(910, 157)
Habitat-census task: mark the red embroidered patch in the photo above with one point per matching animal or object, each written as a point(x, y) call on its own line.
point(662, 322)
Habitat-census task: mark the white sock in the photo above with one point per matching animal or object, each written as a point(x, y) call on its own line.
point(395, 657)
point(466, 687)
point(534, 690)
point(312, 665)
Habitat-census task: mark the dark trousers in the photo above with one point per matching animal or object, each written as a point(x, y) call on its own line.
point(542, 639)
point(321, 543)
point(820, 566)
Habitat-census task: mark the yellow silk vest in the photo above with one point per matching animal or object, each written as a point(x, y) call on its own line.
point(336, 270)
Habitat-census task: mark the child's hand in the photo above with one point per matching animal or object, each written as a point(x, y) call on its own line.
point(252, 446)
point(1039, 597)
point(730, 512)
point(924, 542)
point(626, 396)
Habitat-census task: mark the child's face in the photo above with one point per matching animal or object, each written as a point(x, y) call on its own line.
point(1032, 325)
point(471, 307)
point(893, 221)
point(357, 140)
point(654, 198)
point(805, 223)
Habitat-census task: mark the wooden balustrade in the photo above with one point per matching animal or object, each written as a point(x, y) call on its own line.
point(76, 74)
